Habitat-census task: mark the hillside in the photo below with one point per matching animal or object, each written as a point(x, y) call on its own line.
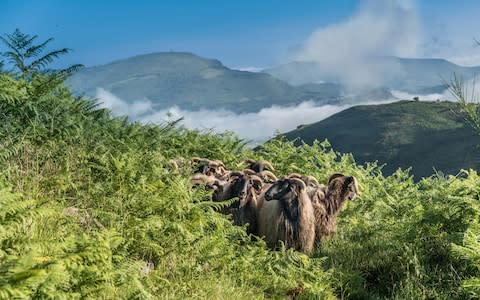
point(414, 75)
point(188, 81)
point(424, 135)
point(92, 209)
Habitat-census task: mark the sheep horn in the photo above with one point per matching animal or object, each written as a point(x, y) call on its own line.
point(268, 175)
point(268, 165)
point(220, 163)
point(355, 185)
point(249, 172)
point(336, 175)
point(256, 179)
point(312, 179)
point(294, 175)
point(236, 174)
point(197, 159)
point(299, 182)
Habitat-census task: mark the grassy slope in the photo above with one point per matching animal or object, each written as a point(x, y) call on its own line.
point(160, 239)
point(424, 135)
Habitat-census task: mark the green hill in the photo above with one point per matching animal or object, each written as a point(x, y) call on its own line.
point(190, 82)
point(424, 135)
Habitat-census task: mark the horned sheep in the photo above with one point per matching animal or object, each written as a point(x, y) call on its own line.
point(286, 214)
point(327, 203)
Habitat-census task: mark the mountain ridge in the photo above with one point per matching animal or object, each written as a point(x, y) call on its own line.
point(413, 75)
point(188, 81)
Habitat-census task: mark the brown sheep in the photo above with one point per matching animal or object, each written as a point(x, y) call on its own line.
point(207, 180)
point(286, 214)
point(245, 187)
point(258, 166)
point(327, 203)
point(208, 167)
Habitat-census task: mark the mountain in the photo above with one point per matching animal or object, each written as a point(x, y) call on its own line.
point(190, 82)
point(413, 75)
point(423, 135)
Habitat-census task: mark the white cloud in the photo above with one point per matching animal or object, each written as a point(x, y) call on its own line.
point(380, 28)
point(255, 126)
point(249, 69)
point(470, 90)
point(120, 107)
point(429, 97)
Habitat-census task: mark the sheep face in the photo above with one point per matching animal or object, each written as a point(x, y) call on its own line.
point(352, 190)
point(285, 189)
point(237, 186)
point(280, 190)
point(347, 185)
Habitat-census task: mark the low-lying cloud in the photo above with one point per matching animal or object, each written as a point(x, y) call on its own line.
point(255, 126)
point(120, 107)
point(347, 50)
point(470, 92)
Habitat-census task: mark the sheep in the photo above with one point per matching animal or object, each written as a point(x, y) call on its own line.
point(258, 166)
point(201, 164)
point(327, 203)
point(208, 180)
point(217, 168)
point(245, 187)
point(314, 188)
point(285, 213)
point(178, 164)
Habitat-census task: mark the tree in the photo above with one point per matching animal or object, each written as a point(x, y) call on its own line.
point(28, 59)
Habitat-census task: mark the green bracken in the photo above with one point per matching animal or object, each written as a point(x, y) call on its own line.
point(90, 210)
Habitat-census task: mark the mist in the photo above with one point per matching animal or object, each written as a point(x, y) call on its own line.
point(470, 91)
point(256, 127)
point(348, 50)
point(120, 107)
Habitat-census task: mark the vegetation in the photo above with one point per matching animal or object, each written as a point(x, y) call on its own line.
point(88, 209)
point(426, 136)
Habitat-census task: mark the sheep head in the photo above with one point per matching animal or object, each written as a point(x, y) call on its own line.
point(216, 168)
point(346, 186)
point(258, 166)
point(201, 164)
point(207, 180)
point(285, 189)
point(288, 191)
point(236, 186)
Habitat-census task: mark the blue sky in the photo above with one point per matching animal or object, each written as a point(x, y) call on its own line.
point(243, 33)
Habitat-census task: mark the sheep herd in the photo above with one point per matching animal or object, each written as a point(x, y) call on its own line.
point(295, 209)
